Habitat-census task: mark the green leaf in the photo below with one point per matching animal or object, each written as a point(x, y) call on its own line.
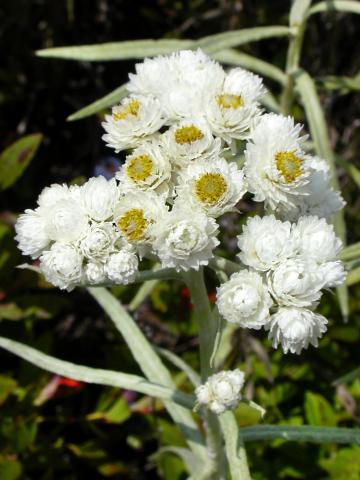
point(239, 59)
point(344, 84)
point(337, 5)
point(298, 12)
point(349, 377)
point(95, 375)
point(350, 169)
point(108, 100)
point(117, 413)
point(150, 364)
point(181, 364)
point(353, 277)
point(16, 158)
point(7, 386)
point(148, 48)
point(343, 464)
point(88, 450)
point(351, 252)
point(318, 411)
point(10, 469)
point(301, 434)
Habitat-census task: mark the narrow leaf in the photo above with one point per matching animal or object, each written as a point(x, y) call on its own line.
point(353, 277)
point(16, 158)
point(95, 375)
point(301, 433)
point(110, 99)
point(344, 84)
point(298, 12)
point(349, 377)
point(351, 252)
point(337, 5)
point(181, 364)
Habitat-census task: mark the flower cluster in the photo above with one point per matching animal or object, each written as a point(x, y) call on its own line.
point(195, 140)
point(289, 264)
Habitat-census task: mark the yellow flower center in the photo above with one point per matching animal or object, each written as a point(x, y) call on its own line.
point(289, 165)
point(133, 224)
point(188, 134)
point(139, 168)
point(124, 111)
point(227, 100)
point(210, 187)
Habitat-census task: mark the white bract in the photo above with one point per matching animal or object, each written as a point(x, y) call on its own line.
point(31, 233)
point(215, 186)
point(266, 242)
point(122, 267)
point(98, 242)
point(295, 328)
point(95, 273)
point(222, 391)
point(244, 299)
point(98, 197)
point(62, 266)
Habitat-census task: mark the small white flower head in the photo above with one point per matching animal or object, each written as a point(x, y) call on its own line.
point(276, 168)
point(295, 328)
point(56, 192)
point(222, 391)
point(99, 241)
point(233, 109)
point(317, 239)
point(244, 299)
point(179, 81)
point(136, 119)
point(136, 212)
point(296, 283)
point(31, 233)
point(215, 186)
point(98, 197)
point(266, 242)
point(95, 273)
point(66, 219)
point(62, 266)
point(190, 140)
point(147, 168)
point(122, 267)
point(184, 238)
point(333, 274)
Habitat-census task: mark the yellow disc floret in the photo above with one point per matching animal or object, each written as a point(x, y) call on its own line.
point(210, 187)
point(289, 165)
point(188, 134)
point(124, 111)
point(139, 168)
point(227, 100)
point(133, 224)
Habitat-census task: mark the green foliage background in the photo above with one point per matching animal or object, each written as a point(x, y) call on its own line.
point(51, 428)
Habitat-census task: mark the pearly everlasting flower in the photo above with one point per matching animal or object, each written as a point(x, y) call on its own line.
point(190, 140)
point(266, 242)
point(276, 168)
point(31, 233)
point(62, 266)
point(95, 273)
point(136, 212)
point(295, 328)
point(98, 198)
point(98, 242)
point(184, 239)
point(122, 267)
point(136, 119)
point(216, 186)
point(317, 239)
point(222, 391)
point(147, 168)
point(333, 274)
point(244, 299)
point(56, 192)
point(233, 109)
point(296, 283)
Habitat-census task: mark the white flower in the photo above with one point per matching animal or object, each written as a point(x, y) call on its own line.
point(189, 140)
point(180, 81)
point(233, 109)
point(31, 233)
point(317, 239)
point(296, 283)
point(62, 266)
point(184, 239)
point(266, 242)
point(99, 241)
point(296, 328)
point(122, 267)
point(276, 168)
point(98, 197)
point(333, 274)
point(95, 273)
point(147, 168)
point(56, 192)
point(221, 391)
point(244, 299)
point(136, 212)
point(136, 119)
point(216, 186)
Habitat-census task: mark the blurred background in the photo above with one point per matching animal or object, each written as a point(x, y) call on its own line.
point(56, 428)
